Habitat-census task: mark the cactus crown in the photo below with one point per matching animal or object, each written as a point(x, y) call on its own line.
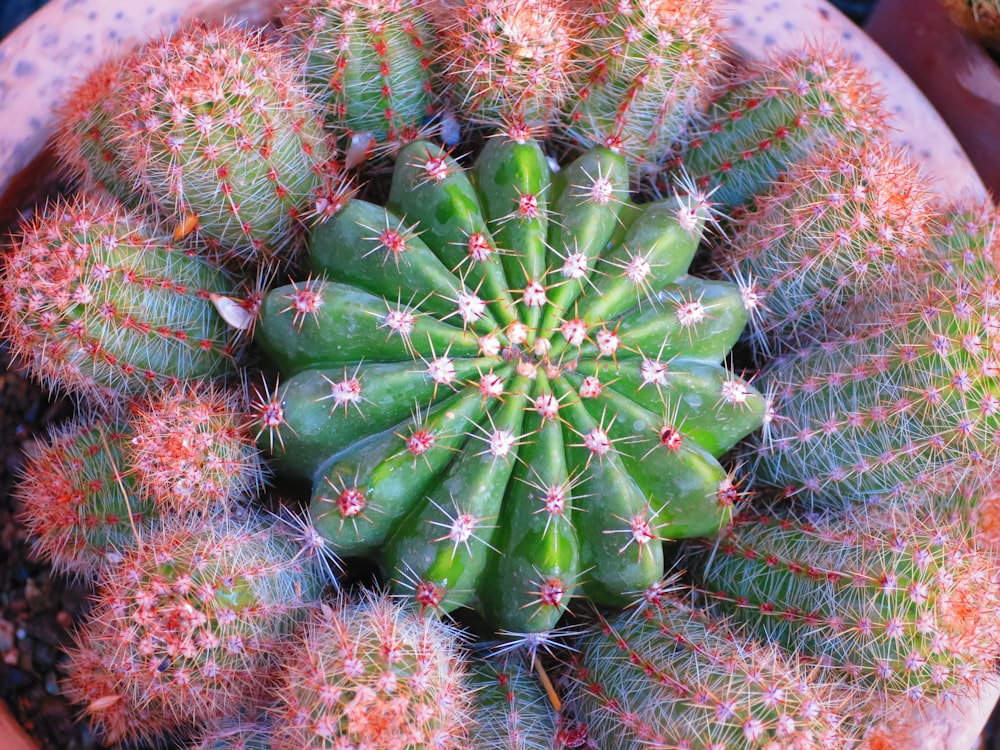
point(474, 375)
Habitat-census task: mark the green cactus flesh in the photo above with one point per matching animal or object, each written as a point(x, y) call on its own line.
point(510, 389)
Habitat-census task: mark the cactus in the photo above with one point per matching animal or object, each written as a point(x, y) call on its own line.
point(97, 304)
point(901, 607)
point(510, 709)
point(673, 676)
point(368, 63)
point(373, 674)
point(507, 61)
point(88, 129)
point(833, 233)
point(908, 400)
point(76, 498)
point(223, 138)
point(786, 107)
point(467, 431)
point(239, 733)
point(187, 625)
point(645, 70)
point(192, 450)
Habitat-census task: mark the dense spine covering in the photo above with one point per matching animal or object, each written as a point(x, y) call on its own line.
point(88, 135)
point(510, 709)
point(645, 68)
point(95, 303)
point(220, 131)
point(369, 63)
point(507, 61)
point(188, 624)
point(462, 422)
point(833, 233)
point(373, 674)
point(776, 113)
point(671, 676)
point(908, 400)
point(192, 450)
point(901, 608)
point(76, 498)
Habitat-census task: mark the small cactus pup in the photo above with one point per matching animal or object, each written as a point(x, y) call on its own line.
point(507, 61)
point(909, 400)
point(673, 676)
point(902, 608)
point(777, 112)
point(193, 450)
point(224, 139)
point(646, 69)
point(96, 303)
point(236, 733)
point(87, 131)
point(373, 674)
point(76, 499)
point(510, 709)
point(834, 232)
point(509, 424)
point(369, 63)
point(188, 624)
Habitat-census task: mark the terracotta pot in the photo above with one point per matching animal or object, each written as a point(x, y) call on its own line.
point(73, 36)
point(952, 69)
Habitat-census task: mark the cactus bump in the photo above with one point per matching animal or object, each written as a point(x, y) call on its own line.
point(97, 303)
point(224, 139)
point(369, 63)
point(188, 624)
point(902, 608)
point(775, 113)
point(645, 68)
point(373, 673)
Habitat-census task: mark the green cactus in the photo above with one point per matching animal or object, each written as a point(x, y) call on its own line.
point(222, 137)
point(776, 112)
point(908, 400)
point(900, 607)
point(369, 63)
point(645, 70)
point(509, 707)
point(509, 424)
point(96, 303)
point(674, 676)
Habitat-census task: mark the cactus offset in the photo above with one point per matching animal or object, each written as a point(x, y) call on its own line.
point(778, 112)
point(192, 450)
point(510, 709)
point(373, 674)
point(221, 132)
point(189, 622)
point(465, 423)
point(901, 607)
point(507, 61)
point(673, 676)
point(645, 70)
point(909, 400)
point(833, 233)
point(97, 304)
point(76, 498)
point(88, 129)
point(368, 62)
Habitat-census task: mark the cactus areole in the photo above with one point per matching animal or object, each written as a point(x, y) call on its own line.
point(505, 383)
